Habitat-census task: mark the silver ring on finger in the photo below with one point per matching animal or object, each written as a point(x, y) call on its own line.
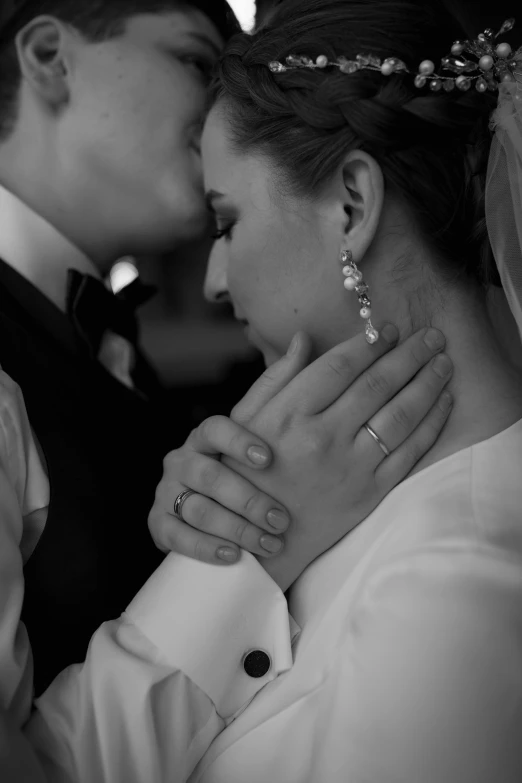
point(378, 440)
point(178, 503)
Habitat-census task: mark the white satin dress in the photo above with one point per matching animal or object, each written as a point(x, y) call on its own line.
point(408, 668)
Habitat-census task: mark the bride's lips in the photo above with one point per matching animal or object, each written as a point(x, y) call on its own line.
point(247, 328)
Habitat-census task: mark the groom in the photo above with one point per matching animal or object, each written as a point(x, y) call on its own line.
point(100, 109)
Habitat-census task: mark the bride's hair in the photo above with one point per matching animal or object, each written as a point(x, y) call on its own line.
point(431, 146)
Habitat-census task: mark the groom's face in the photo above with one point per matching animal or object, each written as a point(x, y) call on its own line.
point(130, 134)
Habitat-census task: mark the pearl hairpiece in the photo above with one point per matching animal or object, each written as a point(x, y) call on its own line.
point(496, 64)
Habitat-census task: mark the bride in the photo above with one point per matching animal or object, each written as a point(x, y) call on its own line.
point(348, 183)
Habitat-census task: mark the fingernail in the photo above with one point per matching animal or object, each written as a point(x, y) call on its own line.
point(442, 366)
point(258, 455)
point(278, 519)
point(445, 401)
point(434, 339)
point(271, 544)
point(293, 345)
point(390, 334)
point(228, 554)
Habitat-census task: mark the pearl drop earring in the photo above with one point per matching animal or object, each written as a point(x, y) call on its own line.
point(354, 282)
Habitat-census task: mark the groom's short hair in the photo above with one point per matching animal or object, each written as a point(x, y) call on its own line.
point(97, 20)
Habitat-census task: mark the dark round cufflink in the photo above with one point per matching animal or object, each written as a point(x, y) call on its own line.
point(257, 663)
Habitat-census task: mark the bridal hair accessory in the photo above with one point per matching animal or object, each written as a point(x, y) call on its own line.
point(354, 282)
point(494, 64)
point(495, 68)
point(178, 503)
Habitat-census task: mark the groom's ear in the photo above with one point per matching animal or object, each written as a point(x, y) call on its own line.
point(43, 48)
point(363, 194)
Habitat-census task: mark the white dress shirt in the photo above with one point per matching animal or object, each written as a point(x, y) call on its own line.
point(159, 683)
point(408, 668)
point(41, 254)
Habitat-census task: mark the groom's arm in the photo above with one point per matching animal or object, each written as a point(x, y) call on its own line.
point(162, 682)
point(158, 684)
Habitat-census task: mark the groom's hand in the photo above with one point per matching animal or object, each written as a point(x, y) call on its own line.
point(229, 510)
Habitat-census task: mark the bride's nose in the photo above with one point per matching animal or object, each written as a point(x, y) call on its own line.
point(216, 286)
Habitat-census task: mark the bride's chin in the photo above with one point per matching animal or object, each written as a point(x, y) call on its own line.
point(270, 354)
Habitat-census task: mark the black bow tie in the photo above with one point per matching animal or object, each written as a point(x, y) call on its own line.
point(93, 309)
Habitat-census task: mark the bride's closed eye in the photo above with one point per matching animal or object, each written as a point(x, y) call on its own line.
point(223, 232)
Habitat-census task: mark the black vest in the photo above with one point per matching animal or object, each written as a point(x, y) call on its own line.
point(103, 445)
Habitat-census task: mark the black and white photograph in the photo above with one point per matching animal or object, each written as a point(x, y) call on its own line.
point(260, 391)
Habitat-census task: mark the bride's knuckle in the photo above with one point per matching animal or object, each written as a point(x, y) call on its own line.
point(377, 383)
point(252, 503)
point(240, 532)
point(401, 418)
point(209, 475)
point(339, 364)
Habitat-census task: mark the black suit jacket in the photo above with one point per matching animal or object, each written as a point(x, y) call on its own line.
point(104, 446)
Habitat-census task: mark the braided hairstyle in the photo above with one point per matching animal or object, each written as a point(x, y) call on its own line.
point(432, 147)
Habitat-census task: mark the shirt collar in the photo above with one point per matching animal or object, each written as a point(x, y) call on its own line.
point(37, 251)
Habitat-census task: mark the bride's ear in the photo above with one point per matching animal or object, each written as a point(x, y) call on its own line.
point(364, 196)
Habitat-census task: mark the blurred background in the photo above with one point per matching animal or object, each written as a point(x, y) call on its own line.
point(200, 353)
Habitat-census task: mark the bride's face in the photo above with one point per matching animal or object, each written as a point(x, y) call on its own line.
point(278, 258)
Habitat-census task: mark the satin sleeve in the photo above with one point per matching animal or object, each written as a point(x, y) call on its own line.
point(158, 684)
point(427, 685)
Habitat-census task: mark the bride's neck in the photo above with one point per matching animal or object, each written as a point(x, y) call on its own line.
point(486, 386)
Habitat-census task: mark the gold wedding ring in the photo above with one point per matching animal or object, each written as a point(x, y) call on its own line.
point(376, 438)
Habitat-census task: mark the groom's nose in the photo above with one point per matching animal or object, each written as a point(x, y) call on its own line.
point(216, 286)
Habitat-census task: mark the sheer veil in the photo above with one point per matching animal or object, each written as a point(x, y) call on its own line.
point(504, 192)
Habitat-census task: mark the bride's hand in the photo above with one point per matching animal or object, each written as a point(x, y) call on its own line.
point(327, 469)
point(229, 510)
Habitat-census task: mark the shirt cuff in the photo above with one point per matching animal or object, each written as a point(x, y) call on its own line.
point(205, 619)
